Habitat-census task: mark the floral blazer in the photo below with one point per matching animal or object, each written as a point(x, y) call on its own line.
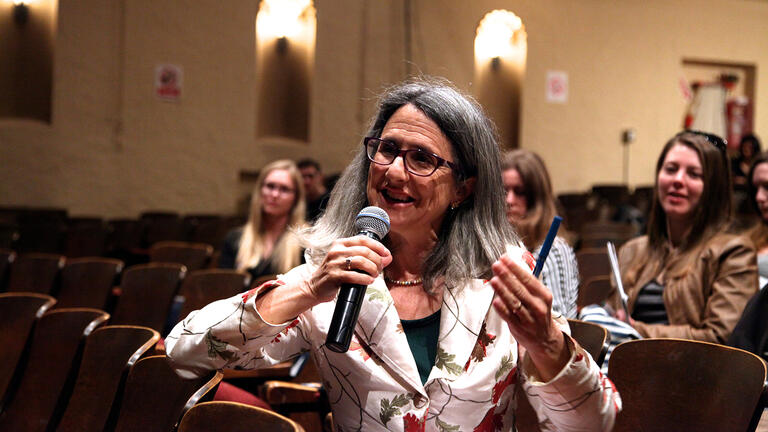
point(375, 386)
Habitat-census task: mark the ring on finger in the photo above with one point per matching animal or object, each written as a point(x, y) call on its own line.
point(349, 264)
point(516, 307)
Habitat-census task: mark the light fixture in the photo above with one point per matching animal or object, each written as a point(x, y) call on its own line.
point(500, 35)
point(20, 12)
point(283, 18)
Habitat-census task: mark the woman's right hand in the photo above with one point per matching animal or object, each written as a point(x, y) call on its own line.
point(353, 260)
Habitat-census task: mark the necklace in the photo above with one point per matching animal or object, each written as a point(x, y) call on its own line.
point(403, 283)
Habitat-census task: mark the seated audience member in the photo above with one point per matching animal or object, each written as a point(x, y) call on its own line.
point(749, 148)
point(758, 196)
point(453, 324)
point(314, 188)
point(266, 245)
point(688, 278)
point(530, 209)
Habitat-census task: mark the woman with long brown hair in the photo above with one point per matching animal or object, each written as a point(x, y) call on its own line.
point(688, 278)
point(757, 189)
point(530, 209)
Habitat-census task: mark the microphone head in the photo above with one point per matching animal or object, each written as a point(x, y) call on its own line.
point(374, 220)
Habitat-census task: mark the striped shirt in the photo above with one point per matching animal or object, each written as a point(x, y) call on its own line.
point(560, 274)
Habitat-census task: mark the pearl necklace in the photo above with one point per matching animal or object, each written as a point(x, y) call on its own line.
point(403, 283)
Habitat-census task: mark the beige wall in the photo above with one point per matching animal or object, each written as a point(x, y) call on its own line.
point(114, 149)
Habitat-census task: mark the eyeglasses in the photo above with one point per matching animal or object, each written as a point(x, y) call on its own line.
point(416, 161)
point(713, 139)
point(281, 189)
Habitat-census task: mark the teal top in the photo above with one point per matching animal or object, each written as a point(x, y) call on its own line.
point(422, 338)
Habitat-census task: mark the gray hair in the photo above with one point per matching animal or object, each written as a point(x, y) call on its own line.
point(473, 235)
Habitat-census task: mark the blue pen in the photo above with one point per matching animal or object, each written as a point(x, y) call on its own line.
point(547, 245)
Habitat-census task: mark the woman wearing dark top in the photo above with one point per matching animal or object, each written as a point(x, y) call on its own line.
point(265, 245)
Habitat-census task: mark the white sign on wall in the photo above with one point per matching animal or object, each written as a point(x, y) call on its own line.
point(557, 86)
point(169, 80)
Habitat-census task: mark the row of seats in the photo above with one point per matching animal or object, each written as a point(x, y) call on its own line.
point(64, 369)
point(143, 294)
point(52, 231)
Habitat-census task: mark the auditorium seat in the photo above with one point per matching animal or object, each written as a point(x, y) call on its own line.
point(597, 233)
point(158, 225)
point(234, 417)
point(9, 234)
point(109, 353)
point(194, 256)
point(593, 262)
point(686, 385)
point(18, 314)
point(85, 236)
point(88, 282)
point(7, 257)
point(592, 337)
point(155, 397)
point(41, 230)
point(201, 287)
point(205, 228)
point(594, 290)
point(46, 379)
point(146, 294)
point(35, 272)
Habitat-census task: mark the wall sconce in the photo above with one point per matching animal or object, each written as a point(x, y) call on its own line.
point(20, 12)
point(283, 19)
point(500, 36)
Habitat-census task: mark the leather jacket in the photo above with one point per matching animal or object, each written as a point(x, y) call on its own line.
point(704, 302)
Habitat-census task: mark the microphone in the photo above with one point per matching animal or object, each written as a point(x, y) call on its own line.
point(371, 222)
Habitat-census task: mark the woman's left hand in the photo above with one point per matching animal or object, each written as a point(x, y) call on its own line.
point(526, 305)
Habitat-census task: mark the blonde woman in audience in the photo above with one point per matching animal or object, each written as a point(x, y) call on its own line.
point(688, 278)
point(758, 196)
point(530, 209)
point(265, 245)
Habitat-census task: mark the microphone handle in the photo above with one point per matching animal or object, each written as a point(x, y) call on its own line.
point(348, 305)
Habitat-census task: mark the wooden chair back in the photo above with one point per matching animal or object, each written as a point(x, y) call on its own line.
point(685, 385)
point(7, 257)
point(194, 256)
point(123, 235)
point(594, 290)
point(302, 403)
point(35, 272)
point(88, 282)
point(41, 230)
point(201, 287)
point(593, 262)
point(613, 194)
point(85, 236)
point(146, 294)
point(109, 353)
point(9, 234)
point(46, 380)
point(596, 234)
point(328, 424)
point(202, 228)
point(18, 314)
point(592, 337)
point(160, 226)
point(234, 417)
point(156, 398)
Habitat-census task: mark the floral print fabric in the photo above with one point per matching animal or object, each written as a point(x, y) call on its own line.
point(376, 385)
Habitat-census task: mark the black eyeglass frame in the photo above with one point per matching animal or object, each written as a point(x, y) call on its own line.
point(719, 143)
point(401, 152)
